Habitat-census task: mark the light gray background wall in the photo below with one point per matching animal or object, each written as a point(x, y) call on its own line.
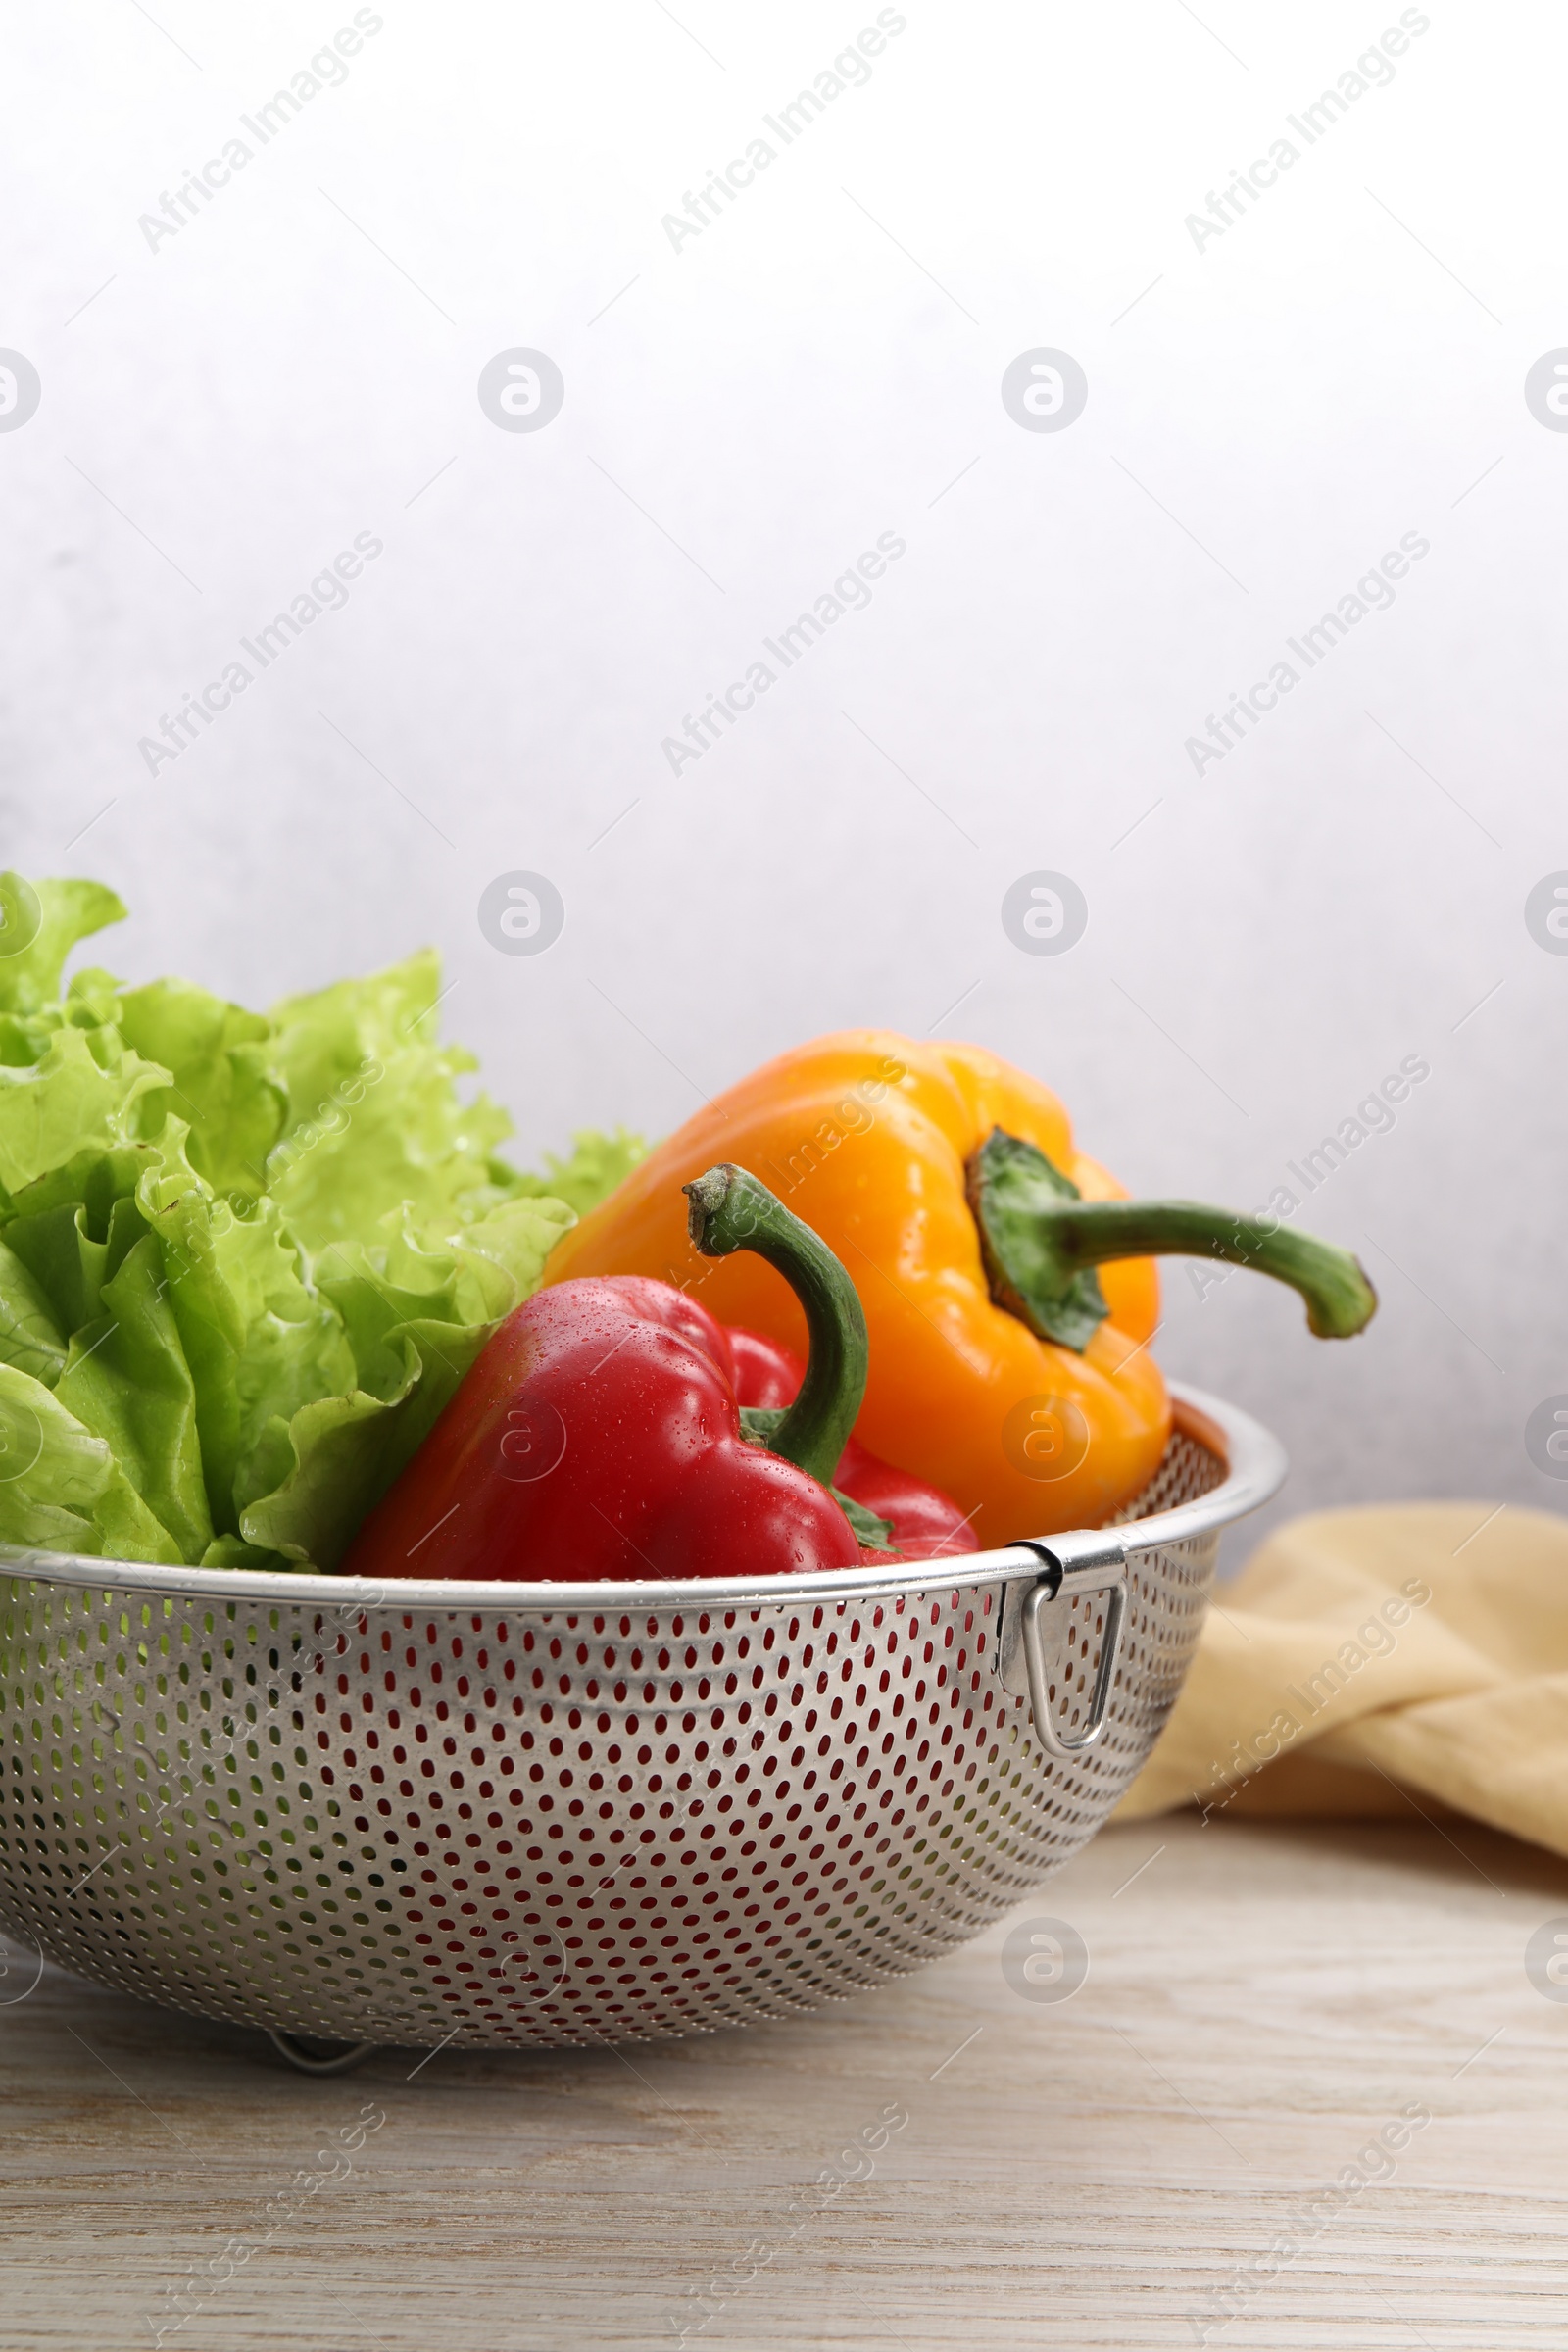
point(1268, 414)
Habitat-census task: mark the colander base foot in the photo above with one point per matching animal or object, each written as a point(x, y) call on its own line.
point(310, 2057)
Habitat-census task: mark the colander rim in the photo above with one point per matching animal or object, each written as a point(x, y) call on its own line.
point(1255, 1467)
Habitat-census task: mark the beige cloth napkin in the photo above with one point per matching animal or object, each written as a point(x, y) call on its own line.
point(1367, 1659)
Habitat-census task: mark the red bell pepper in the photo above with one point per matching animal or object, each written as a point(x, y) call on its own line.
point(599, 1434)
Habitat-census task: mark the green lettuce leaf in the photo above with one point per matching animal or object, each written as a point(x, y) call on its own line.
point(258, 1342)
point(58, 1227)
point(85, 1091)
point(417, 1313)
point(220, 1080)
point(373, 1118)
point(127, 1380)
point(61, 1487)
point(246, 1259)
point(32, 1337)
point(598, 1163)
point(39, 925)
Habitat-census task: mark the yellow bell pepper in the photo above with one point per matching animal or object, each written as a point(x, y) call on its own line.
point(1003, 1367)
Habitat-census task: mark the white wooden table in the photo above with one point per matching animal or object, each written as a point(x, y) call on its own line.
point(1260, 2001)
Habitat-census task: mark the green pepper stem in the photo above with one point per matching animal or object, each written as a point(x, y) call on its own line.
point(731, 1211)
point(1041, 1242)
point(1339, 1299)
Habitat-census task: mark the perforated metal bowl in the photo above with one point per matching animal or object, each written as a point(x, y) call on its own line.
point(512, 1814)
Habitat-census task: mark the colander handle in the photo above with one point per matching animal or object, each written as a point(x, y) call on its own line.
point(1103, 1569)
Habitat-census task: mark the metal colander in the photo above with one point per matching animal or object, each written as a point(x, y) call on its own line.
point(517, 1814)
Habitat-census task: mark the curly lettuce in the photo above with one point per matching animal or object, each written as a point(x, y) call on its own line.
point(245, 1258)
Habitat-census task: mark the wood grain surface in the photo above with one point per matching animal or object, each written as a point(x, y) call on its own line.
point(1260, 2002)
